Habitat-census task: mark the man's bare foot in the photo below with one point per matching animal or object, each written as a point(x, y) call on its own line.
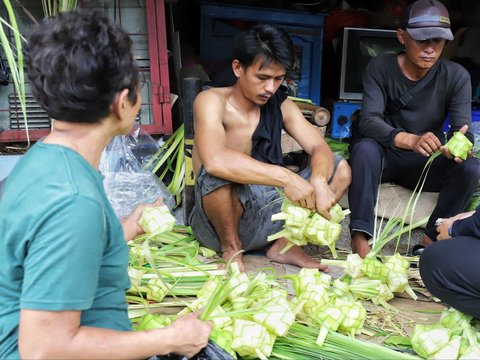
point(360, 245)
point(235, 256)
point(426, 240)
point(294, 256)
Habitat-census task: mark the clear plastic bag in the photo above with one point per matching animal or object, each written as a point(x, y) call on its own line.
point(126, 183)
point(131, 152)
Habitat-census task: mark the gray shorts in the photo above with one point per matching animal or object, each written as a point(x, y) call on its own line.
point(260, 202)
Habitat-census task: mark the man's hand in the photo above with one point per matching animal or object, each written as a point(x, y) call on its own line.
point(324, 197)
point(446, 152)
point(444, 224)
point(443, 227)
point(300, 192)
point(426, 144)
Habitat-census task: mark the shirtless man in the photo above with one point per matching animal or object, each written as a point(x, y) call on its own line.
point(238, 160)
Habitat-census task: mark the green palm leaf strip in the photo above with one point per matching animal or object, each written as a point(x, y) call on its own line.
point(171, 155)
point(14, 56)
point(395, 227)
point(299, 344)
point(54, 7)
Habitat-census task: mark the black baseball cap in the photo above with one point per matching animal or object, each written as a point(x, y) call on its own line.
point(427, 19)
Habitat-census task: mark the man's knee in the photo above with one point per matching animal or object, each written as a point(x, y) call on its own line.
point(224, 192)
point(367, 151)
point(366, 159)
point(471, 169)
point(431, 265)
point(427, 267)
point(343, 174)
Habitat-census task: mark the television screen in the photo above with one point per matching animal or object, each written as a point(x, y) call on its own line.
point(360, 45)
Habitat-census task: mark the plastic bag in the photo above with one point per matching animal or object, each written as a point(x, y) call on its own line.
point(210, 352)
point(132, 151)
point(125, 181)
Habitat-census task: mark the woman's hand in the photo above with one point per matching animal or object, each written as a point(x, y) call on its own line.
point(191, 334)
point(131, 227)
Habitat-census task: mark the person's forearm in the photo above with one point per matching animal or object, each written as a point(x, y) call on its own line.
point(322, 163)
point(130, 229)
point(99, 343)
point(243, 169)
point(130, 344)
point(404, 140)
point(463, 215)
point(468, 226)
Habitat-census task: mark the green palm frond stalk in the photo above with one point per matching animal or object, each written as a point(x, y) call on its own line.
point(14, 56)
point(170, 157)
point(54, 7)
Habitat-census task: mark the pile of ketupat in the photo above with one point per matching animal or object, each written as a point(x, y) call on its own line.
point(256, 317)
point(455, 336)
point(167, 259)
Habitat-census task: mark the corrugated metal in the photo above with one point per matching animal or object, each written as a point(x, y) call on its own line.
point(37, 117)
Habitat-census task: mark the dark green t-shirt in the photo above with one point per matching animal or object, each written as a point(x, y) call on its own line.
point(62, 246)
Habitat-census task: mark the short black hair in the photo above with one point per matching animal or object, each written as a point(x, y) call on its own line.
point(77, 62)
point(266, 42)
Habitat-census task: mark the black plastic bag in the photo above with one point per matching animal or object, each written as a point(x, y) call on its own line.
point(210, 352)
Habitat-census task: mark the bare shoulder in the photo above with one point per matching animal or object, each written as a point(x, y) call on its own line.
point(213, 96)
point(291, 112)
point(210, 106)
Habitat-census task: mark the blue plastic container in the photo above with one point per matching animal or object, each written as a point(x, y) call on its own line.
point(475, 118)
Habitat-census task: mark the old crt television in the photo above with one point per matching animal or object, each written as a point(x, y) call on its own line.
point(360, 45)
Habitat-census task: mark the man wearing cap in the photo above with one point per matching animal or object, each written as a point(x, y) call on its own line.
point(406, 99)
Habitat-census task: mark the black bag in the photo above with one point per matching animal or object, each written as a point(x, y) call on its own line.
point(4, 77)
point(210, 352)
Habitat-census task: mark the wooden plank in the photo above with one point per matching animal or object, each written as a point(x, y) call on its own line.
point(316, 115)
point(289, 144)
